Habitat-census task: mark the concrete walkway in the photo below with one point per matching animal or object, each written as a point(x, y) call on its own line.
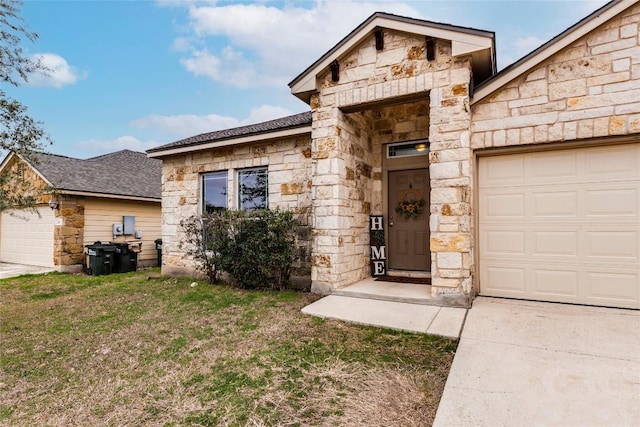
point(14, 270)
point(390, 305)
point(541, 364)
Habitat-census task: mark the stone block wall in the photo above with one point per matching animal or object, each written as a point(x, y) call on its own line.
point(590, 89)
point(342, 196)
point(398, 74)
point(68, 235)
point(289, 168)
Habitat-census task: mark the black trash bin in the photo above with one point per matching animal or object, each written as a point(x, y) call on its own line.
point(159, 249)
point(101, 258)
point(125, 260)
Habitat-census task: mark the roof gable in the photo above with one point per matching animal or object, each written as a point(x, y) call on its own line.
point(479, 44)
point(123, 174)
point(553, 46)
point(12, 158)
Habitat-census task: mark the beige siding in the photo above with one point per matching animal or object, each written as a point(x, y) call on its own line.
point(100, 215)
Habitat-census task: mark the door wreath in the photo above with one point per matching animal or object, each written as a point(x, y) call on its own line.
point(410, 204)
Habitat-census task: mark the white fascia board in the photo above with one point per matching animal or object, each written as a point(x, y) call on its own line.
point(6, 160)
point(459, 48)
point(552, 49)
point(108, 196)
point(232, 141)
point(462, 44)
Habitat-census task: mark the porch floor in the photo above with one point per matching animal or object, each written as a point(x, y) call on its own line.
point(399, 306)
point(388, 291)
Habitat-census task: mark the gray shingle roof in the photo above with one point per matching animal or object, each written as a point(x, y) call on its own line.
point(283, 123)
point(123, 173)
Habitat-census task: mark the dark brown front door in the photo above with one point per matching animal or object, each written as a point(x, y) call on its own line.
point(409, 228)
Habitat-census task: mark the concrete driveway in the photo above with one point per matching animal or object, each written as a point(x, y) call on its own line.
point(540, 364)
point(13, 270)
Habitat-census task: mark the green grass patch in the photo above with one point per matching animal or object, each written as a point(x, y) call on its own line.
point(130, 349)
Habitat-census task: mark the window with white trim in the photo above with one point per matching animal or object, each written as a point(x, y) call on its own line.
point(214, 191)
point(253, 188)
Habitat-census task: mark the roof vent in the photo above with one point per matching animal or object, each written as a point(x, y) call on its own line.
point(379, 39)
point(335, 71)
point(431, 48)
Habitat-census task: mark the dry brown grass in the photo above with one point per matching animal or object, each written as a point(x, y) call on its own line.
point(122, 350)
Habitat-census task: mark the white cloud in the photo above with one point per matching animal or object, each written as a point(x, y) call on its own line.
point(265, 113)
point(592, 5)
point(58, 72)
point(266, 45)
point(184, 125)
point(230, 67)
point(524, 45)
point(182, 44)
point(116, 144)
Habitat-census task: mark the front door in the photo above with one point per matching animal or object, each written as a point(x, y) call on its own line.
point(409, 220)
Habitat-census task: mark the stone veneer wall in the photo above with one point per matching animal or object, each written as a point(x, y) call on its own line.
point(590, 89)
point(289, 166)
point(68, 235)
point(367, 77)
point(397, 123)
point(342, 195)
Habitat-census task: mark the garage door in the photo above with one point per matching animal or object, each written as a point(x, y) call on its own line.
point(27, 238)
point(562, 225)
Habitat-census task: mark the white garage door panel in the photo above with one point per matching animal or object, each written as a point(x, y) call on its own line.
point(27, 238)
point(562, 225)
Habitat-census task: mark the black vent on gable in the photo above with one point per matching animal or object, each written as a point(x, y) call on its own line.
point(379, 34)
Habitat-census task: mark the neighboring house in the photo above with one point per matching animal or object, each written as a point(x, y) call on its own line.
point(529, 178)
point(82, 200)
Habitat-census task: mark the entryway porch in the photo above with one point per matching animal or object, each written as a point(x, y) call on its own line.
point(401, 306)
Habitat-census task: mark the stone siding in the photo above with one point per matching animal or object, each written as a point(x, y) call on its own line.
point(289, 167)
point(68, 235)
point(398, 74)
point(590, 89)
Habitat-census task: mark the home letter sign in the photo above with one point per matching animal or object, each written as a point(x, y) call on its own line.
point(378, 249)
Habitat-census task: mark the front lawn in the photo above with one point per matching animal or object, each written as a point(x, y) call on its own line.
point(130, 349)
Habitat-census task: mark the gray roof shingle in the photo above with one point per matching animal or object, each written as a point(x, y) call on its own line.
point(283, 123)
point(123, 173)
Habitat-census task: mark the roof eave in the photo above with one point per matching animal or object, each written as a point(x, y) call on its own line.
point(244, 139)
point(550, 48)
point(107, 195)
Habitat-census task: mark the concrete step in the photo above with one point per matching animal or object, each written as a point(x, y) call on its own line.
point(418, 318)
point(388, 291)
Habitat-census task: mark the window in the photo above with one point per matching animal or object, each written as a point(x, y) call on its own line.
point(253, 189)
point(214, 191)
point(405, 149)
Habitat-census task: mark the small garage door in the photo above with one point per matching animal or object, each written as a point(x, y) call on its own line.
point(26, 238)
point(562, 225)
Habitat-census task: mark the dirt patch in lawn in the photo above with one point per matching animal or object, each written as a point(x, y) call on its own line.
point(124, 350)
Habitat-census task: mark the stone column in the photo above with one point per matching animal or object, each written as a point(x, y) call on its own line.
point(451, 187)
point(69, 235)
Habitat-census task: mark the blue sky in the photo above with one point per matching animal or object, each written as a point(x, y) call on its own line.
point(138, 74)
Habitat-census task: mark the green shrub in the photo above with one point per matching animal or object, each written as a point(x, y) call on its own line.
point(255, 247)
